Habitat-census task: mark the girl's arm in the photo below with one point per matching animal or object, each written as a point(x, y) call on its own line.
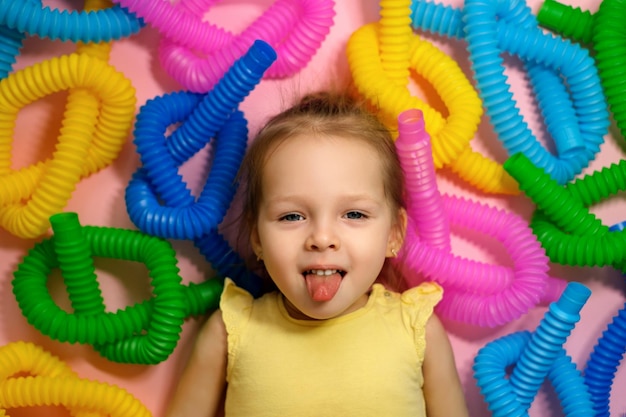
point(443, 392)
point(200, 390)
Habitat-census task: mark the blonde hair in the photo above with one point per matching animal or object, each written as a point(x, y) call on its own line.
point(322, 114)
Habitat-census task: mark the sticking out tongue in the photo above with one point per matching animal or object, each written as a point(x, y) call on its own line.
point(323, 287)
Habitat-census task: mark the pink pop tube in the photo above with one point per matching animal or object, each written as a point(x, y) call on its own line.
point(175, 24)
point(476, 292)
point(295, 29)
point(424, 205)
point(492, 294)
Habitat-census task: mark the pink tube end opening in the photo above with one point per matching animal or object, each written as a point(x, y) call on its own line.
point(411, 122)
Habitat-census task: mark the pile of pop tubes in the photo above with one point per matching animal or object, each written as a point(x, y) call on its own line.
point(575, 88)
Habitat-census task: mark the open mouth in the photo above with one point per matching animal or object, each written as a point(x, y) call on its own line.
point(324, 272)
point(323, 284)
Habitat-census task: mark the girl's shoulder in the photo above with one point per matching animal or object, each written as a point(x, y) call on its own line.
point(416, 304)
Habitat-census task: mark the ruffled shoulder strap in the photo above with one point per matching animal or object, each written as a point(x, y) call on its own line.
point(418, 304)
point(236, 307)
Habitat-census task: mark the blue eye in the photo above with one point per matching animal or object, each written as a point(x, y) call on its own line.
point(355, 215)
point(292, 217)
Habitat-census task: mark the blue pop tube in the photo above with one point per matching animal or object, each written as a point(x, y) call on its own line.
point(10, 44)
point(157, 199)
point(103, 25)
point(224, 259)
point(535, 356)
point(577, 124)
point(547, 341)
point(606, 357)
point(204, 117)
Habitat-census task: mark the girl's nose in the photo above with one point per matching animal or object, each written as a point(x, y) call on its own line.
point(322, 237)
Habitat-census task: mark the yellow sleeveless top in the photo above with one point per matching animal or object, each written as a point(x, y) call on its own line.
point(366, 363)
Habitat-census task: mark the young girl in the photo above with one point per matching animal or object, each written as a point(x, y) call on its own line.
point(324, 206)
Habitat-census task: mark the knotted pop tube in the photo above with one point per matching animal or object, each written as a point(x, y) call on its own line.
point(98, 116)
point(157, 199)
point(535, 356)
point(570, 234)
point(294, 28)
point(451, 135)
point(203, 117)
point(579, 131)
point(31, 377)
point(560, 119)
point(145, 333)
point(476, 293)
point(604, 31)
point(102, 25)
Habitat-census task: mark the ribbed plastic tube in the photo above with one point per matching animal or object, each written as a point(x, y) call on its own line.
point(450, 135)
point(102, 25)
point(476, 293)
point(607, 354)
point(51, 382)
point(561, 121)
point(570, 234)
point(576, 117)
point(570, 22)
point(603, 31)
point(547, 342)
point(424, 205)
point(394, 34)
point(204, 117)
point(98, 116)
point(479, 293)
point(158, 200)
point(10, 44)
point(145, 333)
point(227, 262)
point(295, 29)
point(535, 357)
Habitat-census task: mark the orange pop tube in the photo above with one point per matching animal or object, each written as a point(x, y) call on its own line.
point(451, 136)
point(50, 381)
point(395, 34)
point(97, 119)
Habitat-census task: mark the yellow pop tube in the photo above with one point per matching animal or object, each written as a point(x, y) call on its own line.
point(30, 376)
point(97, 119)
point(451, 136)
point(89, 139)
point(394, 36)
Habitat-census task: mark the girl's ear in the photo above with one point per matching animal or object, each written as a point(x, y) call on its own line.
point(255, 242)
point(397, 234)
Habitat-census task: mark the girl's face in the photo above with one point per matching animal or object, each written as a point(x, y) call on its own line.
point(325, 226)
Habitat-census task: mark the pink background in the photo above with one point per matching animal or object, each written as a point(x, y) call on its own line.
point(99, 201)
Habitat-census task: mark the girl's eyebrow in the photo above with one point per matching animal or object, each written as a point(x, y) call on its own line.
point(349, 198)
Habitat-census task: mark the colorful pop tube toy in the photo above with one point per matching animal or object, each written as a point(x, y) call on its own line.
point(570, 234)
point(576, 120)
point(158, 200)
point(295, 29)
point(145, 333)
point(476, 293)
point(368, 57)
point(206, 116)
point(11, 42)
point(606, 357)
point(604, 32)
point(536, 356)
point(31, 377)
point(96, 25)
point(97, 119)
